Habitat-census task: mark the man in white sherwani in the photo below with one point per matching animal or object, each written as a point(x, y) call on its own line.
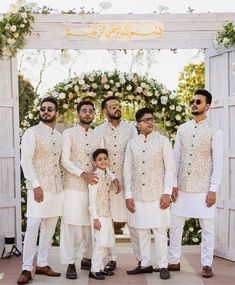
point(115, 134)
point(198, 155)
point(40, 159)
point(149, 176)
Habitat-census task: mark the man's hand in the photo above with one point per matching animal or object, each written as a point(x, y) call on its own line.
point(210, 199)
point(117, 185)
point(97, 224)
point(174, 194)
point(89, 178)
point(38, 194)
point(130, 204)
point(165, 201)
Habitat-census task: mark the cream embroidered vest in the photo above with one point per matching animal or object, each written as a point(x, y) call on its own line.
point(46, 159)
point(196, 156)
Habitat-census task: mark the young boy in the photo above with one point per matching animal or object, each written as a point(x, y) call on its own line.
point(101, 222)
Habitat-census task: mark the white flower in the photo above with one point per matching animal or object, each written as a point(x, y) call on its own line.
point(62, 96)
point(13, 8)
point(117, 94)
point(94, 85)
point(143, 85)
point(122, 81)
point(139, 89)
point(54, 94)
point(178, 117)
point(130, 76)
point(24, 15)
point(76, 88)
point(195, 240)
point(91, 94)
point(158, 115)
point(110, 93)
point(106, 86)
point(30, 116)
point(156, 93)
point(13, 28)
point(128, 88)
point(178, 108)
point(172, 107)
point(16, 35)
point(91, 78)
point(138, 97)
point(25, 21)
point(164, 100)
point(163, 110)
point(168, 123)
point(130, 97)
point(36, 101)
point(11, 41)
point(191, 229)
point(225, 41)
point(104, 79)
point(81, 81)
point(65, 106)
point(154, 101)
point(117, 84)
point(172, 96)
point(111, 81)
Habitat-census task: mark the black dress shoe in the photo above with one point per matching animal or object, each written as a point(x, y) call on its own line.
point(107, 273)
point(139, 270)
point(164, 273)
point(96, 275)
point(110, 266)
point(86, 264)
point(71, 272)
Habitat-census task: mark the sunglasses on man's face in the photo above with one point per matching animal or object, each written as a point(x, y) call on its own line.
point(48, 109)
point(196, 101)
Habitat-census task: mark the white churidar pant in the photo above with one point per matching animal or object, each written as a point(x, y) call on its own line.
point(207, 244)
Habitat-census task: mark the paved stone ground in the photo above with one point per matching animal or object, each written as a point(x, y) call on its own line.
point(224, 271)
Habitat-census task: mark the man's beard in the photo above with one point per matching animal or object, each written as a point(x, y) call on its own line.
point(85, 122)
point(47, 120)
point(116, 116)
point(196, 112)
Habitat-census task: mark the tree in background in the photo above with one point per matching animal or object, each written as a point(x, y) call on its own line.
point(191, 79)
point(27, 95)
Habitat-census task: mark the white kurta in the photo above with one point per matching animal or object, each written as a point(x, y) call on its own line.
point(148, 214)
point(115, 140)
point(194, 204)
point(51, 206)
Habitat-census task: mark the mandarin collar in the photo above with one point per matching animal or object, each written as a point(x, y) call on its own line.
point(83, 129)
point(41, 124)
point(111, 126)
point(204, 121)
point(148, 137)
point(100, 171)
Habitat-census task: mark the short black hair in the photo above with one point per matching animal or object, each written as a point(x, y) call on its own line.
point(84, 102)
point(141, 112)
point(103, 104)
point(205, 93)
point(99, 151)
point(52, 100)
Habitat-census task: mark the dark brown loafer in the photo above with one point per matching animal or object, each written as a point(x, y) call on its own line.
point(170, 267)
point(46, 270)
point(140, 270)
point(24, 277)
point(207, 272)
point(71, 272)
point(86, 264)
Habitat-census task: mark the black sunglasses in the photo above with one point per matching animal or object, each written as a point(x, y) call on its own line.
point(197, 101)
point(48, 109)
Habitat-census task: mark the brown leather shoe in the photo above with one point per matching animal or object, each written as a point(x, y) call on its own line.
point(207, 272)
point(86, 264)
point(46, 270)
point(71, 272)
point(25, 277)
point(170, 267)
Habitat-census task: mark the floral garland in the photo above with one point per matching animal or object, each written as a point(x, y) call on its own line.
point(15, 26)
point(132, 89)
point(225, 38)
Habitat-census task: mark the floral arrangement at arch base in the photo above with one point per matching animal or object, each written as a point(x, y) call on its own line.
point(133, 90)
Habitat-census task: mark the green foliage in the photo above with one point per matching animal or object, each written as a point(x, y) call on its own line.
point(27, 96)
point(226, 37)
point(191, 79)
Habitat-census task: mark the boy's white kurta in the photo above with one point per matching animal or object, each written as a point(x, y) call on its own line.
point(40, 160)
point(148, 173)
point(198, 155)
point(115, 140)
point(78, 146)
point(99, 206)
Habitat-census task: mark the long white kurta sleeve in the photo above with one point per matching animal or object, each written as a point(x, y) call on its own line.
point(28, 145)
point(217, 159)
point(169, 164)
point(92, 200)
point(127, 172)
point(66, 154)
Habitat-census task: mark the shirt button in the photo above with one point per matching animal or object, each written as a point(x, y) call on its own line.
point(87, 154)
point(54, 143)
point(114, 154)
point(115, 145)
point(87, 144)
point(114, 163)
point(55, 164)
point(86, 135)
point(190, 154)
point(143, 161)
point(114, 172)
point(143, 184)
point(54, 153)
point(193, 136)
point(195, 127)
point(192, 145)
point(107, 183)
point(145, 141)
point(143, 150)
point(115, 137)
point(189, 164)
point(188, 173)
point(142, 173)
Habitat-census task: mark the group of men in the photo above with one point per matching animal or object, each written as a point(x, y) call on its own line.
point(146, 175)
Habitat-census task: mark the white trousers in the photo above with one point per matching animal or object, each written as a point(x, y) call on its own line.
point(207, 244)
point(98, 254)
point(72, 239)
point(160, 237)
point(47, 230)
point(112, 252)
